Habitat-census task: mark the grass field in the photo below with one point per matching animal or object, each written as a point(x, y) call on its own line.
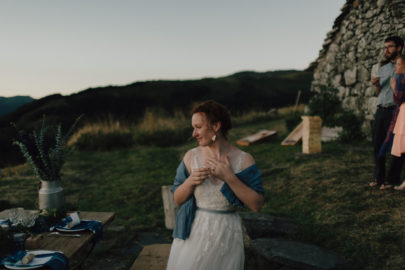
point(326, 195)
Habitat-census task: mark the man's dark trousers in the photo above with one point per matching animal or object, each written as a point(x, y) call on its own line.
point(381, 124)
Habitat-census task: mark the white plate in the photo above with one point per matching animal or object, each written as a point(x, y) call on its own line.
point(70, 230)
point(67, 229)
point(35, 263)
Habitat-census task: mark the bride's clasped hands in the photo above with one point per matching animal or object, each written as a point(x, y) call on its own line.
point(220, 169)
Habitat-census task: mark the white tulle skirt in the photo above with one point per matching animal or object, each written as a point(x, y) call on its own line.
point(215, 242)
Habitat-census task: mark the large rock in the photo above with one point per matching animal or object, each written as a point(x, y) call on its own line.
point(401, 32)
point(381, 3)
point(376, 29)
point(336, 80)
point(369, 14)
point(350, 76)
point(363, 74)
point(385, 27)
point(370, 91)
point(274, 253)
point(350, 103)
point(371, 105)
point(343, 92)
point(261, 225)
point(362, 44)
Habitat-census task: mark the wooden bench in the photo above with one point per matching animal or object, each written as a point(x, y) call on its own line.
point(152, 257)
point(274, 253)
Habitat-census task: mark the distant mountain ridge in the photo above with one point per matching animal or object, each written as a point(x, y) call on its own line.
point(10, 104)
point(240, 92)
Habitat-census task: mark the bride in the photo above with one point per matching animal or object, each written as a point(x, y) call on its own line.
point(211, 180)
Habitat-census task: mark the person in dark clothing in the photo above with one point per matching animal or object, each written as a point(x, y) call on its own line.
point(385, 104)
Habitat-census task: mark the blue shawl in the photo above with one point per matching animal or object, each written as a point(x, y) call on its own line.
point(185, 216)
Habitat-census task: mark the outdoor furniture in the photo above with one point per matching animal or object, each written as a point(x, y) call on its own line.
point(74, 248)
point(152, 257)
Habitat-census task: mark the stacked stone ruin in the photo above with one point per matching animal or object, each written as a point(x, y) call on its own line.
point(352, 47)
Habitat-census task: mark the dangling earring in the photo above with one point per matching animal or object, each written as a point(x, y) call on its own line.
point(214, 138)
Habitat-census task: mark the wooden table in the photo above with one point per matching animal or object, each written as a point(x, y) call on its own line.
point(72, 247)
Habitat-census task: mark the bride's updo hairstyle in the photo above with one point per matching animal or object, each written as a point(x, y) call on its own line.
point(215, 112)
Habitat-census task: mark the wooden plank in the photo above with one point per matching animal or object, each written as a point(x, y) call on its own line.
point(152, 257)
point(257, 137)
point(295, 136)
point(311, 135)
point(169, 206)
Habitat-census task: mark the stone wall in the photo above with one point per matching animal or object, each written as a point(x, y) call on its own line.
point(352, 47)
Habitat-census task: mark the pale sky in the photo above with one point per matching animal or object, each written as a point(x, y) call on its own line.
point(55, 46)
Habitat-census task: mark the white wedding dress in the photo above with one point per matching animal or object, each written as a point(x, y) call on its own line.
point(216, 240)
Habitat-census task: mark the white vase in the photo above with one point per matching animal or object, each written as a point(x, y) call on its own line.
point(50, 195)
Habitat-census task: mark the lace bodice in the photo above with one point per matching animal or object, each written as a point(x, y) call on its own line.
point(208, 194)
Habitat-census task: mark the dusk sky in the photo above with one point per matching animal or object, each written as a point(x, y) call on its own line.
point(54, 46)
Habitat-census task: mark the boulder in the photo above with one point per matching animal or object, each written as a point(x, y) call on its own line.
point(257, 225)
point(350, 76)
point(275, 253)
point(363, 74)
point(381, 3)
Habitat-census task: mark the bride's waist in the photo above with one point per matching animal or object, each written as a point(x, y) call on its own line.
point(217, 211)
point(223, 206)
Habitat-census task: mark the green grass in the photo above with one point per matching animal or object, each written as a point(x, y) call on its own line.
point(326, 195)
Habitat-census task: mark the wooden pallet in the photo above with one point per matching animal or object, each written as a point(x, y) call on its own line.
point(328, 134)
point(295, 136)
point(262, 135)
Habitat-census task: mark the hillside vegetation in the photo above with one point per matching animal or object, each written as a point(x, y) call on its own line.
point(326, 195)
point(239, 92)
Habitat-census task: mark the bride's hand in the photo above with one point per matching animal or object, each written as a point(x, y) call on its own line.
point(220, 168)
point(199, 175)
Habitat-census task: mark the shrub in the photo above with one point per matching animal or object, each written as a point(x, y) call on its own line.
point(325, 104)
point(351, 127)
point(102, 135)
point(292, 120)
point(157, 128)
point(104, 141)
point(163, 137)
point(328, 106)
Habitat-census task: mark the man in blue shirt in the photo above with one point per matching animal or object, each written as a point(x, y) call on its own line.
point(393, 46)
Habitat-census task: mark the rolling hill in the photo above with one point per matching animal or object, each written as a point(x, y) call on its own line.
point(10, 104)
point(240, 92)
